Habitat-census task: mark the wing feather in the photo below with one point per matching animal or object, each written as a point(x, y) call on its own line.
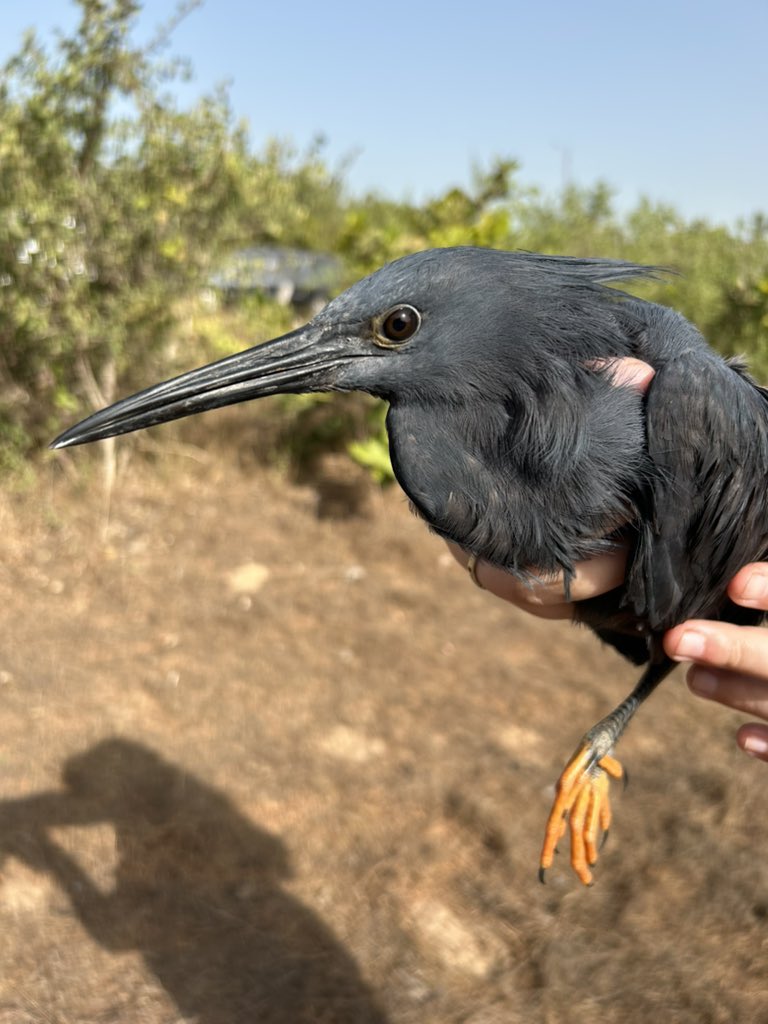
point(705, 514)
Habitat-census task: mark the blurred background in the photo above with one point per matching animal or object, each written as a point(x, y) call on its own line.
point(239, 681)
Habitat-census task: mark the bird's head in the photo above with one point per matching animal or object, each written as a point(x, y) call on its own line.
point(431, 324)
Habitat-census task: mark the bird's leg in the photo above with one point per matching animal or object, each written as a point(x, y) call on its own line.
point(582, 801)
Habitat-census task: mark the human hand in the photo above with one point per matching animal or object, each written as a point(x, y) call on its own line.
point(546, 597)
point(730, 663)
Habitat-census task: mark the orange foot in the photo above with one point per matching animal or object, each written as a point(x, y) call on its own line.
point(583, 803)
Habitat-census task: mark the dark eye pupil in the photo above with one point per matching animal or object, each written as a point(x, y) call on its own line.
point(401, 324)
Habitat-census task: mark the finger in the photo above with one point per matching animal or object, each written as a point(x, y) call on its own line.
point(741, 649)
point(545, 599)
point(753, 739)
point(730, 688)
point(628, 372)
point(749, 587)
point(546, 596)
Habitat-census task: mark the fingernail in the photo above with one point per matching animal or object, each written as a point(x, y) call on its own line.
point(702, 682)
point(756, 587)
point(757, 746)
point(690, 646)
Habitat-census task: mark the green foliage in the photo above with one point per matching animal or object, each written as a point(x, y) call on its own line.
point(372, 453)
point(316, 424)
point(720, 280)
point(717, 270)
point(292, 198)
point(104, 219)
point(377, 230)
point(116, 205)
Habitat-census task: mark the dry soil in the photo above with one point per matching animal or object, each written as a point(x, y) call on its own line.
point(268, 756)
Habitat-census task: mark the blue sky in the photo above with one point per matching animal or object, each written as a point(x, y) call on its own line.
point(666, 99)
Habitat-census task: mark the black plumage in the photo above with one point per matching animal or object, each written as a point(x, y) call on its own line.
point(510, 439)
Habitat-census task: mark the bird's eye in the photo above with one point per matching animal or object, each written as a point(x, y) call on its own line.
point(397, 326)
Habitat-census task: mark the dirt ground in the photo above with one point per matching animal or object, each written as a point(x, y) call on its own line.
point(267, 760)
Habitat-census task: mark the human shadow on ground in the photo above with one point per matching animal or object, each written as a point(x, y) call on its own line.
point(197, 891)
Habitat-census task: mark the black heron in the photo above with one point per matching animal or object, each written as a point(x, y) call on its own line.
point(510, 440)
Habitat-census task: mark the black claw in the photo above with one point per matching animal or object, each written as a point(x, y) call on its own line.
point(626, 779)
point(542, 876)
point(604, 839)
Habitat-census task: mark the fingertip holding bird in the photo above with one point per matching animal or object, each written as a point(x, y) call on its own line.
point(633, 373)
point(733, 654)
point(627, 372)
point(753, 740)
point(700, 640)
point(749, 587)
point(685, 644)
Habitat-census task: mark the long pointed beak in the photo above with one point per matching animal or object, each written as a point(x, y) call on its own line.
point(301, 361)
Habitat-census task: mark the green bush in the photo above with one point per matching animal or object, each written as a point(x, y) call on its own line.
point(110, 225)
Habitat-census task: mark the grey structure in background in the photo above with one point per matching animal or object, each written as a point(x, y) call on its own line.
point(291, 276)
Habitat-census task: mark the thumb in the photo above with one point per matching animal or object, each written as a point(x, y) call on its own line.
point(627, 373)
